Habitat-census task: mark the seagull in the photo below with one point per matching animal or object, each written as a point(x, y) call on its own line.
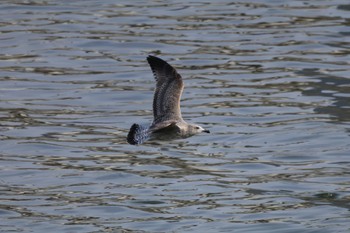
point(167, 119)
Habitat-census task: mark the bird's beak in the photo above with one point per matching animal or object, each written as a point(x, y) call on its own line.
point(206, 131)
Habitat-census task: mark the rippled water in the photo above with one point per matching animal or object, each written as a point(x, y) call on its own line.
point(270, 79)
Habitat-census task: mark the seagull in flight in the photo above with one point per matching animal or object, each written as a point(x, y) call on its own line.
point(167, 119)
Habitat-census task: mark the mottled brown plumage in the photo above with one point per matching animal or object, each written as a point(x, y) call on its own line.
point(169, 87)
point(166, 106)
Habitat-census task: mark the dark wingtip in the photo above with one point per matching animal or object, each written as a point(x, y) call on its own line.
point(155, 60)
point(131, 138)
point(150, 57)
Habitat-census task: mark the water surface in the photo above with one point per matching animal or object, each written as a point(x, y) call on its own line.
point(270, 79)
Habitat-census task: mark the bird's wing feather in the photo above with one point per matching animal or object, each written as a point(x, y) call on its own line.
point(169, 87)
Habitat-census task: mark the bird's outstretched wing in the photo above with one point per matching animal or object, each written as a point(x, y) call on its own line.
point(169, 87)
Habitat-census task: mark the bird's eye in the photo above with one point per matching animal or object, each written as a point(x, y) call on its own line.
point(197, 127)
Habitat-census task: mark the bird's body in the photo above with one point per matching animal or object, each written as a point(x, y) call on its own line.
point(166, 107)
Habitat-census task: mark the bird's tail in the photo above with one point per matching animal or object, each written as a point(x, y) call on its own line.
point(137, 134)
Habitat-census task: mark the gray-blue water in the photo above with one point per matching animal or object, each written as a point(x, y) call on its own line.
point(270, 79)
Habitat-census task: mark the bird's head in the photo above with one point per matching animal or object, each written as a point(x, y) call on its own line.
point(195, 129)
